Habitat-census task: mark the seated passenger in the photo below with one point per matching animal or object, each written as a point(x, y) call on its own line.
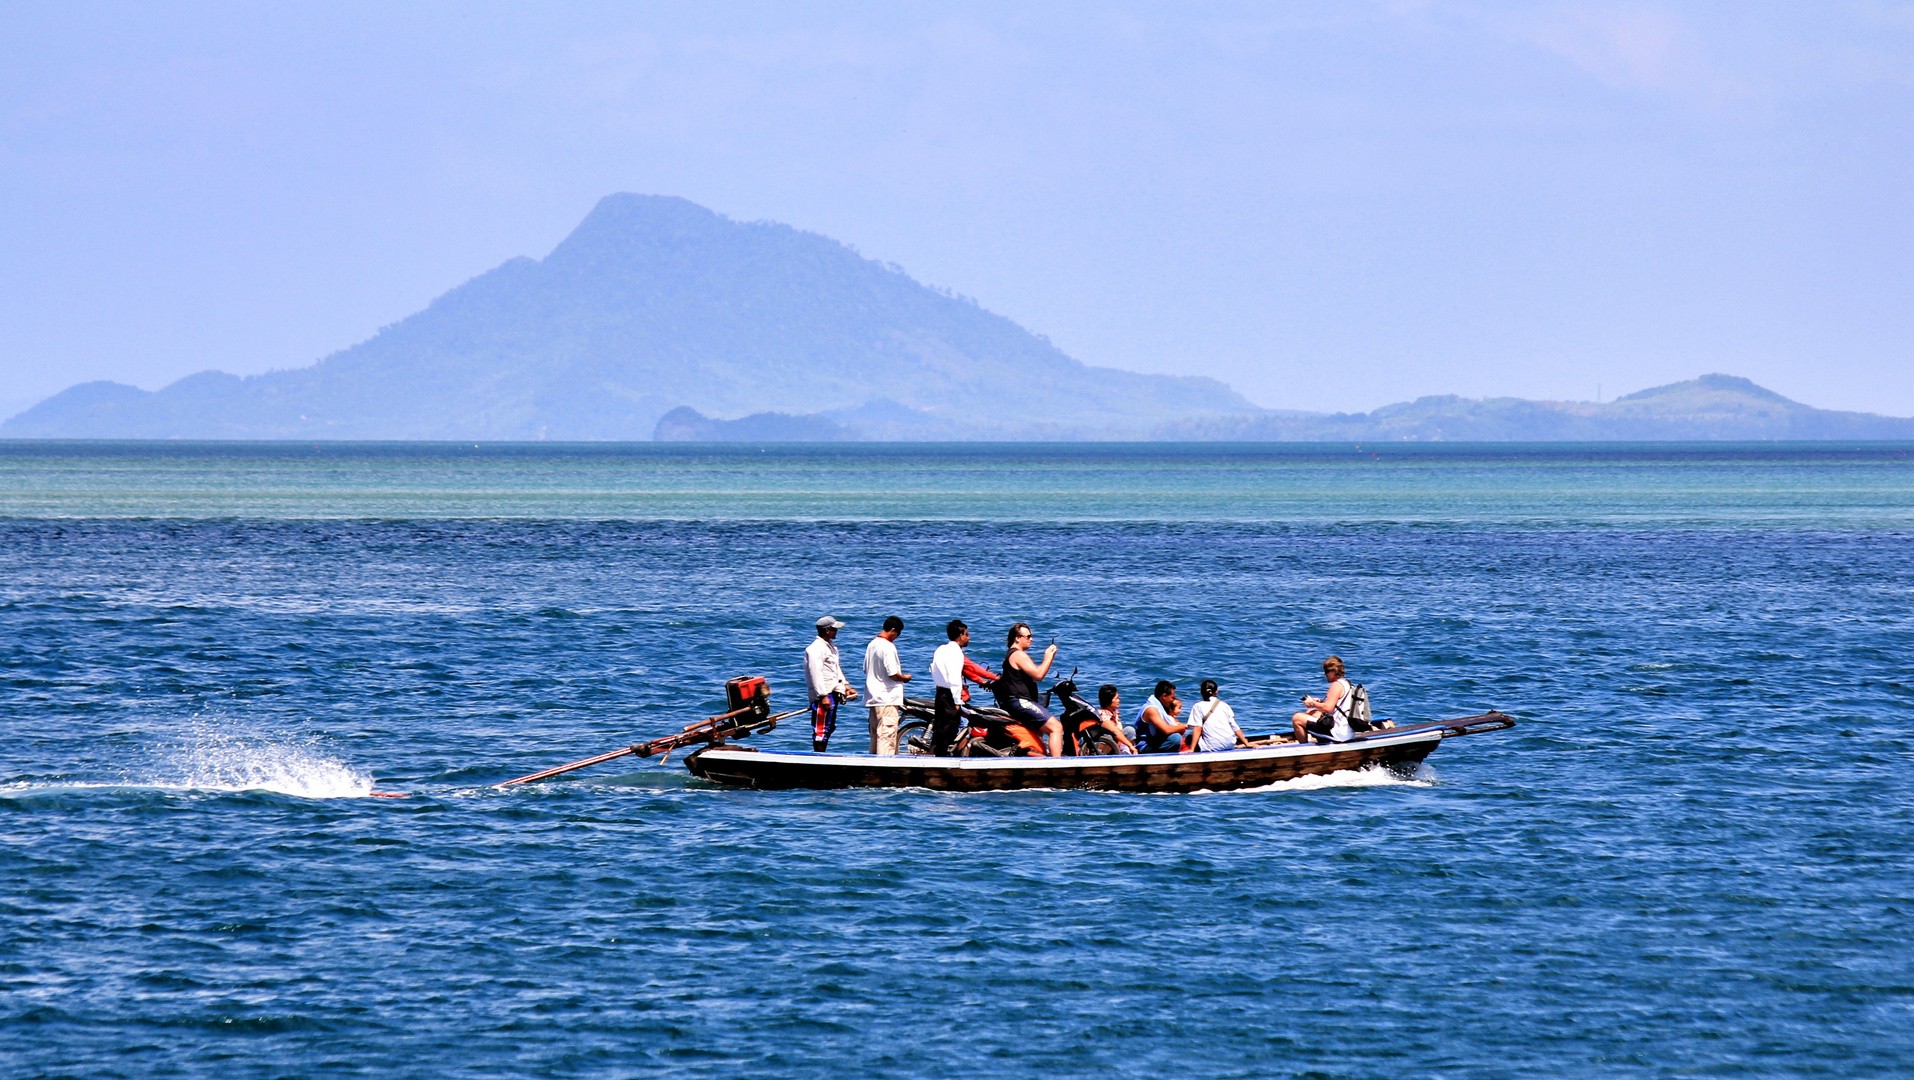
point(1157, 729)
point(1327, 716)
point(1110, 717)
point(1016, 689)
point(1213, 723)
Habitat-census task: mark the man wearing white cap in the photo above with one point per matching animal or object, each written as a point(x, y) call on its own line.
point(824, 682)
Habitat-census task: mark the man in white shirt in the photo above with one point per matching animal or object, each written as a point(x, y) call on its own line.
point(1213, 723)
point(947, 674)
point(824, 682)
point(884, 681)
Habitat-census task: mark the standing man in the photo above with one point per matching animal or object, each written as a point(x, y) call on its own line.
point(824, 682)
point(884, 681)
point(947, 673)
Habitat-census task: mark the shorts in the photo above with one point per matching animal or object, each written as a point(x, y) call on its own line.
point(1028, 717)
point(1028, 713)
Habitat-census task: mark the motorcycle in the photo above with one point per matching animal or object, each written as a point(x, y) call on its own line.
point(988, 732)
point(1083, 732)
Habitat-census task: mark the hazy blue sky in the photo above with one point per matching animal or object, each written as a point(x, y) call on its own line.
point(1329, 205)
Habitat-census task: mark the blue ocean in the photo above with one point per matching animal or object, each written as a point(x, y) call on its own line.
point(1690, 859)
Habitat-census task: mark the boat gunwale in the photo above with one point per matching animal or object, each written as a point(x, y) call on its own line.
point(731, 752)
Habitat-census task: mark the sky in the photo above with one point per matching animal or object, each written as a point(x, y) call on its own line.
point(1328, 205)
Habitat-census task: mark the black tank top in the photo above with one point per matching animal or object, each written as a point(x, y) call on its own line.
point(1014, 683)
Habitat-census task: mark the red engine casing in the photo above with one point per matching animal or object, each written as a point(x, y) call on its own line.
point(748, 692)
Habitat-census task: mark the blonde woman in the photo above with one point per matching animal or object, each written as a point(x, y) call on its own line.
point(1329, 714)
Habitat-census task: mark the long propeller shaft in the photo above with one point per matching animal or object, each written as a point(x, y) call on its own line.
point(713, 730)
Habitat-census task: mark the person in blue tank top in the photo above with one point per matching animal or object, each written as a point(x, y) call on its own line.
point(1157, 729)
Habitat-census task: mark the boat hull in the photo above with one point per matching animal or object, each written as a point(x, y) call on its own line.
point(1226, 770)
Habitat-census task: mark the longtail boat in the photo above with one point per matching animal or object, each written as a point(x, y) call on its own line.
point(721, 761)
point(1399, 749)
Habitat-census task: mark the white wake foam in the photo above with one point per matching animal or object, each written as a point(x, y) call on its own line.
point(1374, 776)
point(210, 760)
point(227, 764)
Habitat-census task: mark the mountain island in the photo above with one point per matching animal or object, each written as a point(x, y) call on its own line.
point(657, 318)
point(1712, 407)
point(654, 304)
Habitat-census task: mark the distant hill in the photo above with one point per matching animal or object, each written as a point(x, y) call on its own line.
point(1713, 407)
point(878, 420)
point(650, 305)
point(686, 424)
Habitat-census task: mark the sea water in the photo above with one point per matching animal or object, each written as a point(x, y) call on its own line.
point(1690, 859)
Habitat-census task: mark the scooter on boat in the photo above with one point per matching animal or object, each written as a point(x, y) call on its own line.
point(992, 732)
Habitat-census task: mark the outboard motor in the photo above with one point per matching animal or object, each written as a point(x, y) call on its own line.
point(748, 696)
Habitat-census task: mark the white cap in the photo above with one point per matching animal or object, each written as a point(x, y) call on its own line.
point(828, 623)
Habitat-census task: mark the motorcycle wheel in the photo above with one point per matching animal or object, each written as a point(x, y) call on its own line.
point(913, 737)
point(1096, 744)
